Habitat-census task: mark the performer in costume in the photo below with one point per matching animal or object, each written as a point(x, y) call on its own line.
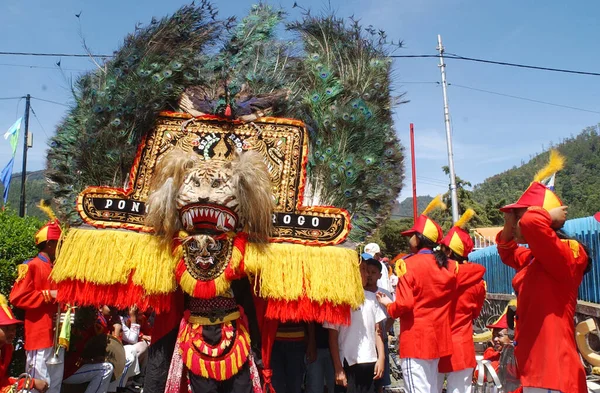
point(426, 287)
point(468, 301)
point(8, 331)
point(548, 276)
point(34, 292)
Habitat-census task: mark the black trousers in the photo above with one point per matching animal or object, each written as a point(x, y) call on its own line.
point(360, 378)
point(239, 383)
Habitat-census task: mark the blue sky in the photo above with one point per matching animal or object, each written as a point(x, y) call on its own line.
point(491, 133)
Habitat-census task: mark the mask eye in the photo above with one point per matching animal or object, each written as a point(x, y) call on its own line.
point(216, 183)
point(196, 182)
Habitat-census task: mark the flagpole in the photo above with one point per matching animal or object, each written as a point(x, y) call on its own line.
point(25, 146)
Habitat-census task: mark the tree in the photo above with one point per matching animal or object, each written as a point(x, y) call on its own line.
point(389, 239)
point(16, 245)
point(466, 201)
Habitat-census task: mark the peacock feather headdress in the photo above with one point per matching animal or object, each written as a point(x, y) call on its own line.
point(336, 78)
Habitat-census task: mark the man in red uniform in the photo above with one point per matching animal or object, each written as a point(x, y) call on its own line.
point(33, 293)
point(548, 275)
point(8, 330)
point(467, 304)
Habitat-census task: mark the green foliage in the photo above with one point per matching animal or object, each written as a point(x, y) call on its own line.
point(36, 190)
point(404, 209)
point(577, 184)
point(389, 239)
point(16, 245)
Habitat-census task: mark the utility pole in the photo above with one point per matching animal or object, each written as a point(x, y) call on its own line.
point(26, 141)
point(453, 193)
point(414, 171)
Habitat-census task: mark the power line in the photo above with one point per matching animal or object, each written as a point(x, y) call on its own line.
point(52, 54)
point(524, 98)
point(38, 120)
point(42, 67)
point(10, 98)
point(52, 102)
point(417, 56)
point(457, 57)
point(502, 63)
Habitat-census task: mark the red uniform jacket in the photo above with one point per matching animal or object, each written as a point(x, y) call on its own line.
point(423, 298)
point(31, 293)
point(468, 301)
point(546, 283)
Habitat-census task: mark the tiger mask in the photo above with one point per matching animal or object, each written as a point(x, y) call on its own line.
point(208, 197)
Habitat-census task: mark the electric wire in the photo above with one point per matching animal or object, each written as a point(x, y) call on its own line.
point(446, 55)
point(38, 120)
point(41, 54)
point(41, 67)
point(523, 98)
point(52, 102)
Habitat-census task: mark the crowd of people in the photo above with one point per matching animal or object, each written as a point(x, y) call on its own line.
point(434, 292)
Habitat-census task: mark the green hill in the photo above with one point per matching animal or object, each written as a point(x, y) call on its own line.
point(404, 209)
point(578, 184)
point(36, 189)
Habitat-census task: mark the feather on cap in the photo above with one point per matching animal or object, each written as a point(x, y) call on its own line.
point(538, 194)
point(465, 218)
point(555, 164)
point(436, 203)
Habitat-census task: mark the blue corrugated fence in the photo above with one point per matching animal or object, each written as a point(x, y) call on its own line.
point(499, 276)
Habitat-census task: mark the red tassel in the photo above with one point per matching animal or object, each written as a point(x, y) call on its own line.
point(267, 374)
point(305, 309)
point(117, 295)
point(228, 111)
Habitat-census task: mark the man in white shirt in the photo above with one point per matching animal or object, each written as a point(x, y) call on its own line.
point(357, 350)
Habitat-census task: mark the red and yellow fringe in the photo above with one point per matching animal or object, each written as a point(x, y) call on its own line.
point(218, 368)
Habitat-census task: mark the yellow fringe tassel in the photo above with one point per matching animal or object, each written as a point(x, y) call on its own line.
point(104, 257)
point(291, 271)
point(465, 218)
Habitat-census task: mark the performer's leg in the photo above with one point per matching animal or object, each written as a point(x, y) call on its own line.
point(420, 376)
point(295, 354)
point(362, 378)
point(98, 375)
point(37, 367)
point(327, 364)
point(203, 385)
point(440, 381)
point(240, 382)
point(459, 381)
point(159, 360)
point(278, 360)
point(315, 374)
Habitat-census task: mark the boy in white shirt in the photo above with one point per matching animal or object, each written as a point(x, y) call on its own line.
point(357, 350)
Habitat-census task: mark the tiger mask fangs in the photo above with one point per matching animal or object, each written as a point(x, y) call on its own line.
point(208, 197)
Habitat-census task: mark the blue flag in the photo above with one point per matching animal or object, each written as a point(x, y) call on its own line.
point(5, 177)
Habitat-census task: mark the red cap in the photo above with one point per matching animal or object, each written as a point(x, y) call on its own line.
point(6, 315)
point(50, 231)
point(536, 195)
point(459, 241)
point(501, 323)
point(597, 216)
point(426, 227)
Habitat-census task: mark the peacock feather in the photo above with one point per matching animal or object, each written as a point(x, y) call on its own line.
point(344, 96)
point(336, 78)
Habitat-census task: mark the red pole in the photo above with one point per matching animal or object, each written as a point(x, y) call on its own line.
point(414, 170)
